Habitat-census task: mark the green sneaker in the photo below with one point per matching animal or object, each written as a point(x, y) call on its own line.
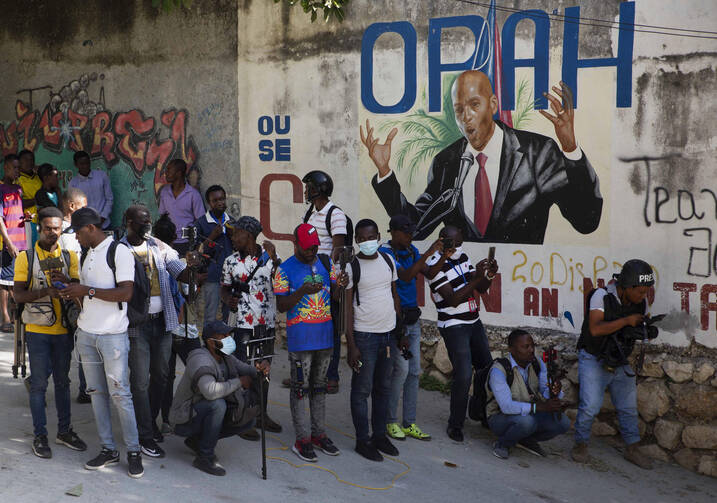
point(395, 431)
point(415, 432)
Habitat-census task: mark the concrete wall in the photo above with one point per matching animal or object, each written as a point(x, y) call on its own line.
point(656, 100)
point(132, 86)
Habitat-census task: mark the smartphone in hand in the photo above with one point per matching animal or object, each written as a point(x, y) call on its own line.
point(59, 285)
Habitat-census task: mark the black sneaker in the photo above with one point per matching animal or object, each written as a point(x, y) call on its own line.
point(209, 465)
point(156, 434)
point(325, 445)
point(251, 434)
point(150, 448)
point(305, 451)
point(368, 451)
point(40, 447)
point(106, 457)
point(83, 398)
point(455, 434)
point(271, 425)
point(134, 460)
point(384, 445)
point(71, 440)
point(532, 447)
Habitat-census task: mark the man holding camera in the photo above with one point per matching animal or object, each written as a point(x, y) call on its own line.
point(248, 292)
point(304, 286)
point(182, 201)
point(453, 291)
point(406, 365)
point(215, 397)
point(38, 275)
point(519, 406)
point(151, 343)
point(615, 318)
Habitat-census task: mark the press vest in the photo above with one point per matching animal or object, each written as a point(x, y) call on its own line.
point(518, 390)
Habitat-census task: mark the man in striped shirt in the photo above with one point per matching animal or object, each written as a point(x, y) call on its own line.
point(453, 290)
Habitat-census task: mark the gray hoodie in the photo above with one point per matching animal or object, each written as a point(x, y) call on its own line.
point(206, 379)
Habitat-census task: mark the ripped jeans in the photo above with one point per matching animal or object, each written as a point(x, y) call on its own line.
point(104, 360)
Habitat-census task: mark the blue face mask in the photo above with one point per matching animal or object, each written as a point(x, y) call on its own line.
point(369, 247)
point(228, 345)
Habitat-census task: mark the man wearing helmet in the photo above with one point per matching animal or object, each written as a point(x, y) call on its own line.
point(614, 319)
point(331, 224)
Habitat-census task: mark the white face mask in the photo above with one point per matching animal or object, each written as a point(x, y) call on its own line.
point(456, 255)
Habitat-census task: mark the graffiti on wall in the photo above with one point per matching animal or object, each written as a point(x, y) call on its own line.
point(72, 120)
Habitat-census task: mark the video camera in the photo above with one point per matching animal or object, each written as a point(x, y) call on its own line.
point(207, 254)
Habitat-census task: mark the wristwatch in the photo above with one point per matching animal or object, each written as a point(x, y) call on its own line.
point(91, 293)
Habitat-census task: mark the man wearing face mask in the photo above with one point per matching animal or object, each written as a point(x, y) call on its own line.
point(214, 382)
point(151, 343)
point(453, 291)
point(375, 309)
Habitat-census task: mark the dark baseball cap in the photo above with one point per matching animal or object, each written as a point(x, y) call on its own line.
point(402, 223)
point(216, 327)
point(85, 216)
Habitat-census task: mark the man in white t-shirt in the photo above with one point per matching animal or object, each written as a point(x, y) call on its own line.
point(372, 294)
point(102, 336)
point(150, 344)
point(330, 223)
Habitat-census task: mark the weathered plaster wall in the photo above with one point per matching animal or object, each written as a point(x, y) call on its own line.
point(133, 86)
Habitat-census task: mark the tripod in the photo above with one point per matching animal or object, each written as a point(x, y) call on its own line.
point(255, 353)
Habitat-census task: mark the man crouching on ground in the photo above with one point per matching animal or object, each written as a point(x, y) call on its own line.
point(516, 413)
point(215, 397)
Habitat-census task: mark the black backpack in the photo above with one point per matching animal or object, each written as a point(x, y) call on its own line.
point(349, 223)
point(138, 305)
point(479, 400)
point(356, 272)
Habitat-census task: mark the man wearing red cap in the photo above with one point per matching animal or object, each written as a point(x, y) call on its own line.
point(303, 286)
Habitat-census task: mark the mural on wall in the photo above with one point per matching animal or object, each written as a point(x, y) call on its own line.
point(132, 146)
point(587, 164)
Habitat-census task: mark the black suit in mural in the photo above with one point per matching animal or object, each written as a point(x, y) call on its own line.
point(534, 175)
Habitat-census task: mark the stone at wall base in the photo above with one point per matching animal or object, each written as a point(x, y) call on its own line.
point(687, 458)
point(600, 429)
point(678, 372)
point(708, 466)
point(668, 433)
point(700, 437)
point(654, 451)
point(703, 373)
point(653, 400)
point(440, 358)
point(697, 400)
point(438, 376)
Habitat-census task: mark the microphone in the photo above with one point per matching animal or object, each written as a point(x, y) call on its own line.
point(466, 163)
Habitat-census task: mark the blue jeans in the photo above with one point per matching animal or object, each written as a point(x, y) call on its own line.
point(104, 360)
point(149, 353)
point(467, 347)
point(208, 424)
point(511, 429)
point(211, 301)
point(372, 380)
point(404, 377)
point(49, 354)
point(594, 379)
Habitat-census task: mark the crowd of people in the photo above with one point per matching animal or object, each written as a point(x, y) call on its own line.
point(115, 301)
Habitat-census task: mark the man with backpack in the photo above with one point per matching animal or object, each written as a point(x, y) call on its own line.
point(614, 319)
point(335, 231)
point(453, 291)
point(406, 365)
point(102, 335)
point(151, 339)
point(305, 285)
point(518, 406)
point(39, 273)
point(374, 320)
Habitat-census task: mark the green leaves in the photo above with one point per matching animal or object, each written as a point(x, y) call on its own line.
point(167, 5)
point(326, 8)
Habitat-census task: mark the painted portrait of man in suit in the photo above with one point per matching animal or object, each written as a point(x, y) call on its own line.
point(496, 183)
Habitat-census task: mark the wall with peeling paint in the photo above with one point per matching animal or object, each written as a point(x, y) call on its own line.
point(653, 156)
point(132, 86)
